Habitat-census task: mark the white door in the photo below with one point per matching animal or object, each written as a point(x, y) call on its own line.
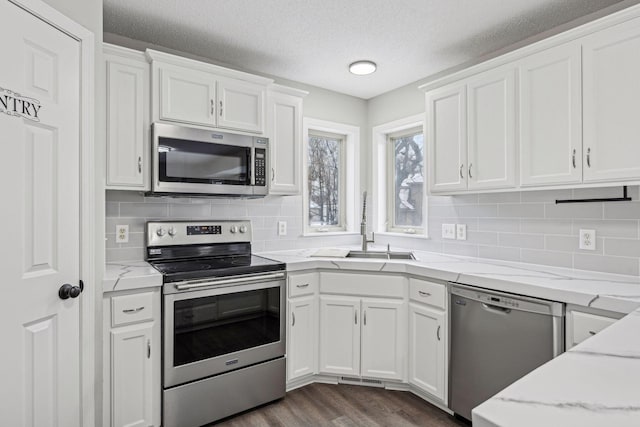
point(240, 105)
point(187, 96)
point(447, 138)
point(39, 181)
point(131, 376)
point(551, 116)
point(492, 129)
point(339, 335)
point(611, 93)
point(427, 368)
point(285, 143)
point(302, 337)
point(383, 339)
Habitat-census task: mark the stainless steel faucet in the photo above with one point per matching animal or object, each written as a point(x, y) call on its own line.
point(363, 224)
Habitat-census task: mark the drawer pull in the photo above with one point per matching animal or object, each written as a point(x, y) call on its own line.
point(592, 332)
point(424, 294)
point(438, 332)
point(148, 349)
point(302, 286)
point(133, 310)
point(293, 319)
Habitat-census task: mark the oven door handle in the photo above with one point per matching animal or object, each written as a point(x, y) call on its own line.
point(232, 281)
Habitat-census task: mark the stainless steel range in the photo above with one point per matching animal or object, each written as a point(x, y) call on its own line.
point(223, 320)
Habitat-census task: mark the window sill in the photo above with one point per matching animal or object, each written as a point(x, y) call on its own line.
point(329, 233)
point(396, 234)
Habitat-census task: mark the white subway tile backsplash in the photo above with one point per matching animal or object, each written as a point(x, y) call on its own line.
point(570, 244)
point(145, 210)
point(519, 240)
point(622, 247)
point(544, 196)
point(499, 224)
point(622, 210)
point(521, 210)
point(607, 264)
point(545, 257)
point(608, 228)
point(183, 210)
point(544, 226)
point(513, 197)
point(574, 210)
point(497, 252)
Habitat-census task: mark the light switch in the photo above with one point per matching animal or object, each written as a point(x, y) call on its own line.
point(449, 231)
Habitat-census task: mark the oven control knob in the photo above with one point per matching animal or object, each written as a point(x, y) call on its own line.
point(172, 232)
point(161, 232)
point(243, 228)
point(233, 229)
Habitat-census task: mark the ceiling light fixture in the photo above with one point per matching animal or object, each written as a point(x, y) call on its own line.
point(362, 68)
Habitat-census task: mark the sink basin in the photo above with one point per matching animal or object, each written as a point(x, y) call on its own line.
point(380, 255)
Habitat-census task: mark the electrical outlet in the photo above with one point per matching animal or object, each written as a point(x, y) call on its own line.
point(588, 240)
point(449, 231)
point(461, 231)
point(282, 228)
point(122, 233)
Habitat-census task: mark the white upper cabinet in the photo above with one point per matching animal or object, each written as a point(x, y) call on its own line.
point(551, 116)
point(240, 105)
point(285, 139)
point(491, 129)
point(611, 91)
point(447, 138)
point(197, 93)
point(127, 78)
point(187, 96)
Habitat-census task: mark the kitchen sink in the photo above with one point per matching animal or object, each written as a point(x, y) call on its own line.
point(380, 255)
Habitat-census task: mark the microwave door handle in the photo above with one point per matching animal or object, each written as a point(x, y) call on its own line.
point(251, 155)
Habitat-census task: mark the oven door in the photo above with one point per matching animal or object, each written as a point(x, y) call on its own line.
point(187, 160)
point(211, 331)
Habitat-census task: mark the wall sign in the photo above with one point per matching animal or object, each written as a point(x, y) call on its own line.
point(14, 104)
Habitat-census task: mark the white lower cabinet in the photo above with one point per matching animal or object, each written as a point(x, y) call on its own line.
point(583, 323)
point(302, 348)
point(362, 337)
point(427, 335)
point(132, 384)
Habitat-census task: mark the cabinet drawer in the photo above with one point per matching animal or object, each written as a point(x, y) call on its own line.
point(303, 284)
point(586, 325)
point(427, 292)
point(126, 309)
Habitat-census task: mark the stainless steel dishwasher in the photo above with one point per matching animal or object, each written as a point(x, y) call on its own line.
point(497, 338)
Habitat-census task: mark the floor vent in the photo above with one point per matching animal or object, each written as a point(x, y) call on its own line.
point(360, 381)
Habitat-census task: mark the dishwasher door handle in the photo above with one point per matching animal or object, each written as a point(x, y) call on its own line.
point(496, 309)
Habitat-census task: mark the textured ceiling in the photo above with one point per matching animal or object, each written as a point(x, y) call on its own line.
point(314, 41)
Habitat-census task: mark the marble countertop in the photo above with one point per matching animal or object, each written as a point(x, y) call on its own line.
point(596, 383)
point(121, 276)
point(605, 291)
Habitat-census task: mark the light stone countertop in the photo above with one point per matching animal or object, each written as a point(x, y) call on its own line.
point(126, 275)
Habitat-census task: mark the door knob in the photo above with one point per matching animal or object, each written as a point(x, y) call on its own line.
point(67, 291)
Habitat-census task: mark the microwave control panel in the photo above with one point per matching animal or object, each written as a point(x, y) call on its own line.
point(261, 166)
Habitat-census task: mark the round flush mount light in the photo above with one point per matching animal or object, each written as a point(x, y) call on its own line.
point(362, 68)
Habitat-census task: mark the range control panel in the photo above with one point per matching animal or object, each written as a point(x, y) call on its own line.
point(171, 233)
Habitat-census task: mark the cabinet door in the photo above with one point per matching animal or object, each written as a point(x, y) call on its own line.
point(551, 117)
point(383, 339)
point(127, 123)
point(131, 376)
point(427, 363)
point(611, 92)
point(447, 138)
point(285, 143)
point(240, 105)
point(339, 335)
point(584, 325)
point(491, 129)
point(302, 348)
point(187, 96)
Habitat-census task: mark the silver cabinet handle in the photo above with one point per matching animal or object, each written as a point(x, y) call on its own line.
point(293, 319)
point(589, 157)
point(438, 332)
point(356, 317)
point(365, 318)
point(213, 107)
point(573, 158)
point(461, 166)
point(592, 332)
point(133, 310)
point(220, 108)
point(302, 286)
point(273, 174)
point(424, 294)
point(470, 166)
point(139, 164)
point(148, 349)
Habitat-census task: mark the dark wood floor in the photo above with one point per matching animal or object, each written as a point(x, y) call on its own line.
point(344, 406)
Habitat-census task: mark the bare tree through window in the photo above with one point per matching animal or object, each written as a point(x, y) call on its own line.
point(324, 169)
point(408, 179)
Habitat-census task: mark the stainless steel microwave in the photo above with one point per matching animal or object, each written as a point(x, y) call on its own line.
point(190, 161)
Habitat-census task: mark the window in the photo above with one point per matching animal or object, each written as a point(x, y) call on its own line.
point(398, 178)
point(325, 181)
point(406, 180)
point(331, 174)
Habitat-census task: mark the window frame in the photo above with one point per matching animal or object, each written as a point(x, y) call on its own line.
point(382, 175)
point(350, 163)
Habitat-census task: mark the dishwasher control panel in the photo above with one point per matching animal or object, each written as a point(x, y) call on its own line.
point(501, 301)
